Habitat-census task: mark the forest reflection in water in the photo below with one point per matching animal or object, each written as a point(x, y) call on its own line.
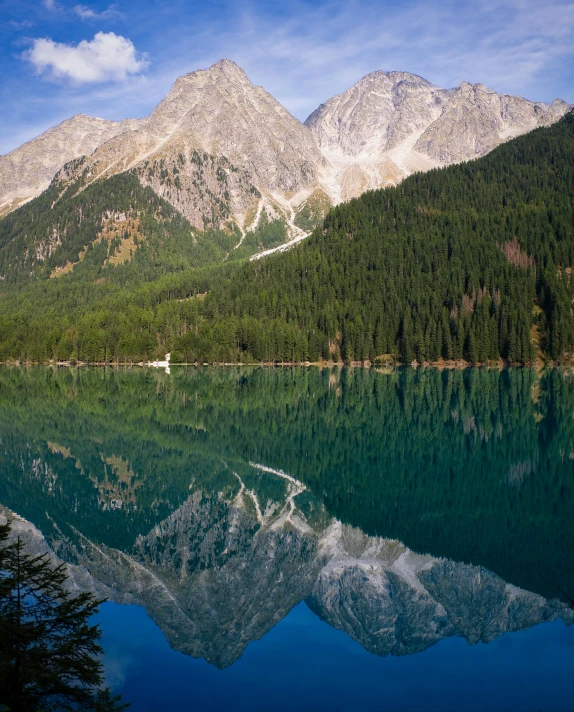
point(404, 508)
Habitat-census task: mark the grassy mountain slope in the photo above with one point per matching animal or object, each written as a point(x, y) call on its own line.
point(83, 269)
point(472, 261)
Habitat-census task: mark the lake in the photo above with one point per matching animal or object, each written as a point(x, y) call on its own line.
point(306, 539)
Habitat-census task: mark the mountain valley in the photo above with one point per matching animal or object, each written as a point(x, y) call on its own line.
point(147, 245)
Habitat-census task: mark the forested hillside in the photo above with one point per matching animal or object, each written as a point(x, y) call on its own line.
point(473, 261)
point(114, 222)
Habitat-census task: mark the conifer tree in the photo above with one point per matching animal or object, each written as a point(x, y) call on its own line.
point(49, 652)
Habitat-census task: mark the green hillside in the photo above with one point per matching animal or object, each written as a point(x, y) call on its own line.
point(472, 261)
point(72, 257)
point(68, 229)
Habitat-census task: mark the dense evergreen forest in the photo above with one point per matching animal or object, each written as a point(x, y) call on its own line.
point(469, 262)
point(474, 465)
point(472, 261)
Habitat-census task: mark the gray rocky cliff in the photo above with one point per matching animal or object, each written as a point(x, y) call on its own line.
point(377, 114)
point(477, 119)
point(215, 125)
point(392, 124)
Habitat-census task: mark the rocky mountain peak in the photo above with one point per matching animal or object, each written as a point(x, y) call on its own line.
point(391, 124)
point(229, 68)
point(225, 71)
point(559, 106)
point(394, 77)
point(377, 113)
point(28, 170)
point(385, 127)
point(256, 152)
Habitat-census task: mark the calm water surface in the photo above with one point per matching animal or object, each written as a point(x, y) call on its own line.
point(305, 539)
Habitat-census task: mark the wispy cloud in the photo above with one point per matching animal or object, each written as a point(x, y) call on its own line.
point(515, 46)
point(50, 4)
point(107, 57)
point(85, 12)
point(21, 24)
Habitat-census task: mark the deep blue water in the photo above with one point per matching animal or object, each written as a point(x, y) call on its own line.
point(304, 664)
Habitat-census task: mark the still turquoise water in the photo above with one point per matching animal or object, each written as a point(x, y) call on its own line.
point(302, 539)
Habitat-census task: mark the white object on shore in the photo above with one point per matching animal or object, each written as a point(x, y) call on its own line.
point(161, 364)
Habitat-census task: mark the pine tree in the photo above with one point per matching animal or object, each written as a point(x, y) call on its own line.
point(49, 653)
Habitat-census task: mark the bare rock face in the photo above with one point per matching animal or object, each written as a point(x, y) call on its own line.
point(392, 124)
point(220, 112)
point(221, 150)
point(257, 147)
point(28, 170)
point(477, 119)
point(208, 190)
point(377, 114)
point(367, 133)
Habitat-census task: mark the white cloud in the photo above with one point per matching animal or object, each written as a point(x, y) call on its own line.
point(21, 25)
point(86, 13)
point(50, 4)
point(107, 57)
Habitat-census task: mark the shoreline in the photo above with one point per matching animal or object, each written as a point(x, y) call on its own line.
point(380, 366)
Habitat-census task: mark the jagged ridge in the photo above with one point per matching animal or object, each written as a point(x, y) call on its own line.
point(385, 127)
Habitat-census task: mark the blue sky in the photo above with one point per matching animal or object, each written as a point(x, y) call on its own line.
point(114, 60)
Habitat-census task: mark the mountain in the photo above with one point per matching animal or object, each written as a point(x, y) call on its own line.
point(477, 119)
point(214, 577)
point(368, 132)
point(392, 124)
point(26, 171)
point(470, 262)
point(216, 138)
point(223, 152)
point(220, 172)
point(220, 150)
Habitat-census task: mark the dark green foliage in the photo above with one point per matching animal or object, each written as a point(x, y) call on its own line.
point(470, 262)
point(100, 310)
point(450, 264)
point(56, 229)
point(49, 654)
point(313, 210)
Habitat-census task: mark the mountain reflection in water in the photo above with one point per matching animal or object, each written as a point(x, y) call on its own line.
point(403, 508)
